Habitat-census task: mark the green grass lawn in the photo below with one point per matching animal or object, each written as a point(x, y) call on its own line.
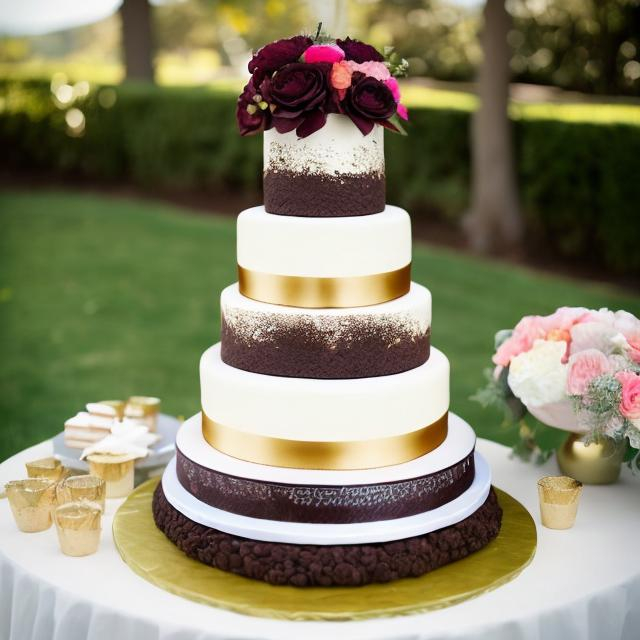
point(105, 298)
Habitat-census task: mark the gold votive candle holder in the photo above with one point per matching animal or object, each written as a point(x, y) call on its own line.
point(117, 405)
point(85, 488)
point(559, 497)
point(31, 502)
point(143, 409)
point(50, 468)
point(116, 470)
point(78, 526)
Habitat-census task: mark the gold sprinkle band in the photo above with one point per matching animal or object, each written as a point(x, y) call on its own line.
point(315, 293)
point(306, 454)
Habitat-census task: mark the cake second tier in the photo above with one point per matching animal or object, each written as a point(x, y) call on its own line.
point(324, 424)
point(324, 262)
point(359, 342)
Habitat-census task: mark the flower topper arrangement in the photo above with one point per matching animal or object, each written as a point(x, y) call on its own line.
point(296, 82)
point(577, 370)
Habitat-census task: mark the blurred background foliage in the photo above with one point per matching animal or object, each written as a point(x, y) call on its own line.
point(591, 46)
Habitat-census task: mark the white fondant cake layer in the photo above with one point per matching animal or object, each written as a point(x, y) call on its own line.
point(338, 148)
point(324, 247)
point(254, 320)
point(329, 534)
point(324, 410)
point(459, 442)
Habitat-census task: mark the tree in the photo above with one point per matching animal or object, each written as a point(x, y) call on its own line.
point(137, 39)
point(494, 221)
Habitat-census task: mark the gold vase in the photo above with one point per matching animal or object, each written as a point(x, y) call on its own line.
point(596, 463)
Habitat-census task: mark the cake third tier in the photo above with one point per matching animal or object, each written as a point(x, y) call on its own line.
point(356, 342)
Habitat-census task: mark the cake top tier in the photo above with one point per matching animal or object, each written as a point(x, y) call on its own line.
point(323, 105)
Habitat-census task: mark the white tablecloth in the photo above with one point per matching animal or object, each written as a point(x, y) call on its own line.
point(583, 583)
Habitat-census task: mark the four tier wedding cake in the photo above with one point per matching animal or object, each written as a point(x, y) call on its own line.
point(325, 453)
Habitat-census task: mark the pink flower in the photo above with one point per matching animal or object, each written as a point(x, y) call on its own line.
point(402, 112)
point(583, 368)
point(556, 327)
point(323, 53)
point(376, 70)
point(392, 83)
point(629, 326)
point(630, 401)
point(564, 318)
point(526, 332)
point(634, 350)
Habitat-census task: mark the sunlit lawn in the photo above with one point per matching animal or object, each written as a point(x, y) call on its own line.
point(102, 298)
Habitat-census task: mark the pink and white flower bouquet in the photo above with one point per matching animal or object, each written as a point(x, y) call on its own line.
point(577, 370)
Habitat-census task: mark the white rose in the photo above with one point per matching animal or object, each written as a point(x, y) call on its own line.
point(538, 376)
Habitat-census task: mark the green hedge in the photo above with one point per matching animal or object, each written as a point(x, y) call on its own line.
point(578, 181)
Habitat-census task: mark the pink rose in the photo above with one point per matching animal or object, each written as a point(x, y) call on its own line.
point(392, 83)
point(402, 112)
point(376, 70)
point(323, 53)
point(630, 400)
point(583, 368)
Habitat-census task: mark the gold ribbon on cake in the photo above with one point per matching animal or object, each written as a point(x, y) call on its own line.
point(308, 454)
point(312, 293)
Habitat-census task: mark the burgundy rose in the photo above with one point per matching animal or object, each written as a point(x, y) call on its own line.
point(369, 101)
point(252, 112)
point(359, 51)
point(300, 94)
point(277, 54)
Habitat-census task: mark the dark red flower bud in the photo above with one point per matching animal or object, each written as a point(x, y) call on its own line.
point(359, 51)
point(275, 55)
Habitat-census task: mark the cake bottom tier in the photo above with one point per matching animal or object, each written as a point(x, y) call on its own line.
point(326, 565)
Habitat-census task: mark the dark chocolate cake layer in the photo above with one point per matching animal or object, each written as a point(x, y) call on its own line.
point(307, 348)
point(315, 195)
point(324, 504)
point(315, 565)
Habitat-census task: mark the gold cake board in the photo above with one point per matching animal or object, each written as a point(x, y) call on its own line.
point(155, 558)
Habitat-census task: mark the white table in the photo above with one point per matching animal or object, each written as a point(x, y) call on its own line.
point(582, 584)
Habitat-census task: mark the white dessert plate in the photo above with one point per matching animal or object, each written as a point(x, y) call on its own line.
point(329, 534)
point(459, 442)
point(161, 452)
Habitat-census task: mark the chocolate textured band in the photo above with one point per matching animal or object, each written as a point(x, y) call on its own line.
point(300, 349)
point(317, 195)
point(324, 504)
point(314, 454)
point(331, 565)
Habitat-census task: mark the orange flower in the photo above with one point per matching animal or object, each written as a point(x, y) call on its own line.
point(340, 78)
